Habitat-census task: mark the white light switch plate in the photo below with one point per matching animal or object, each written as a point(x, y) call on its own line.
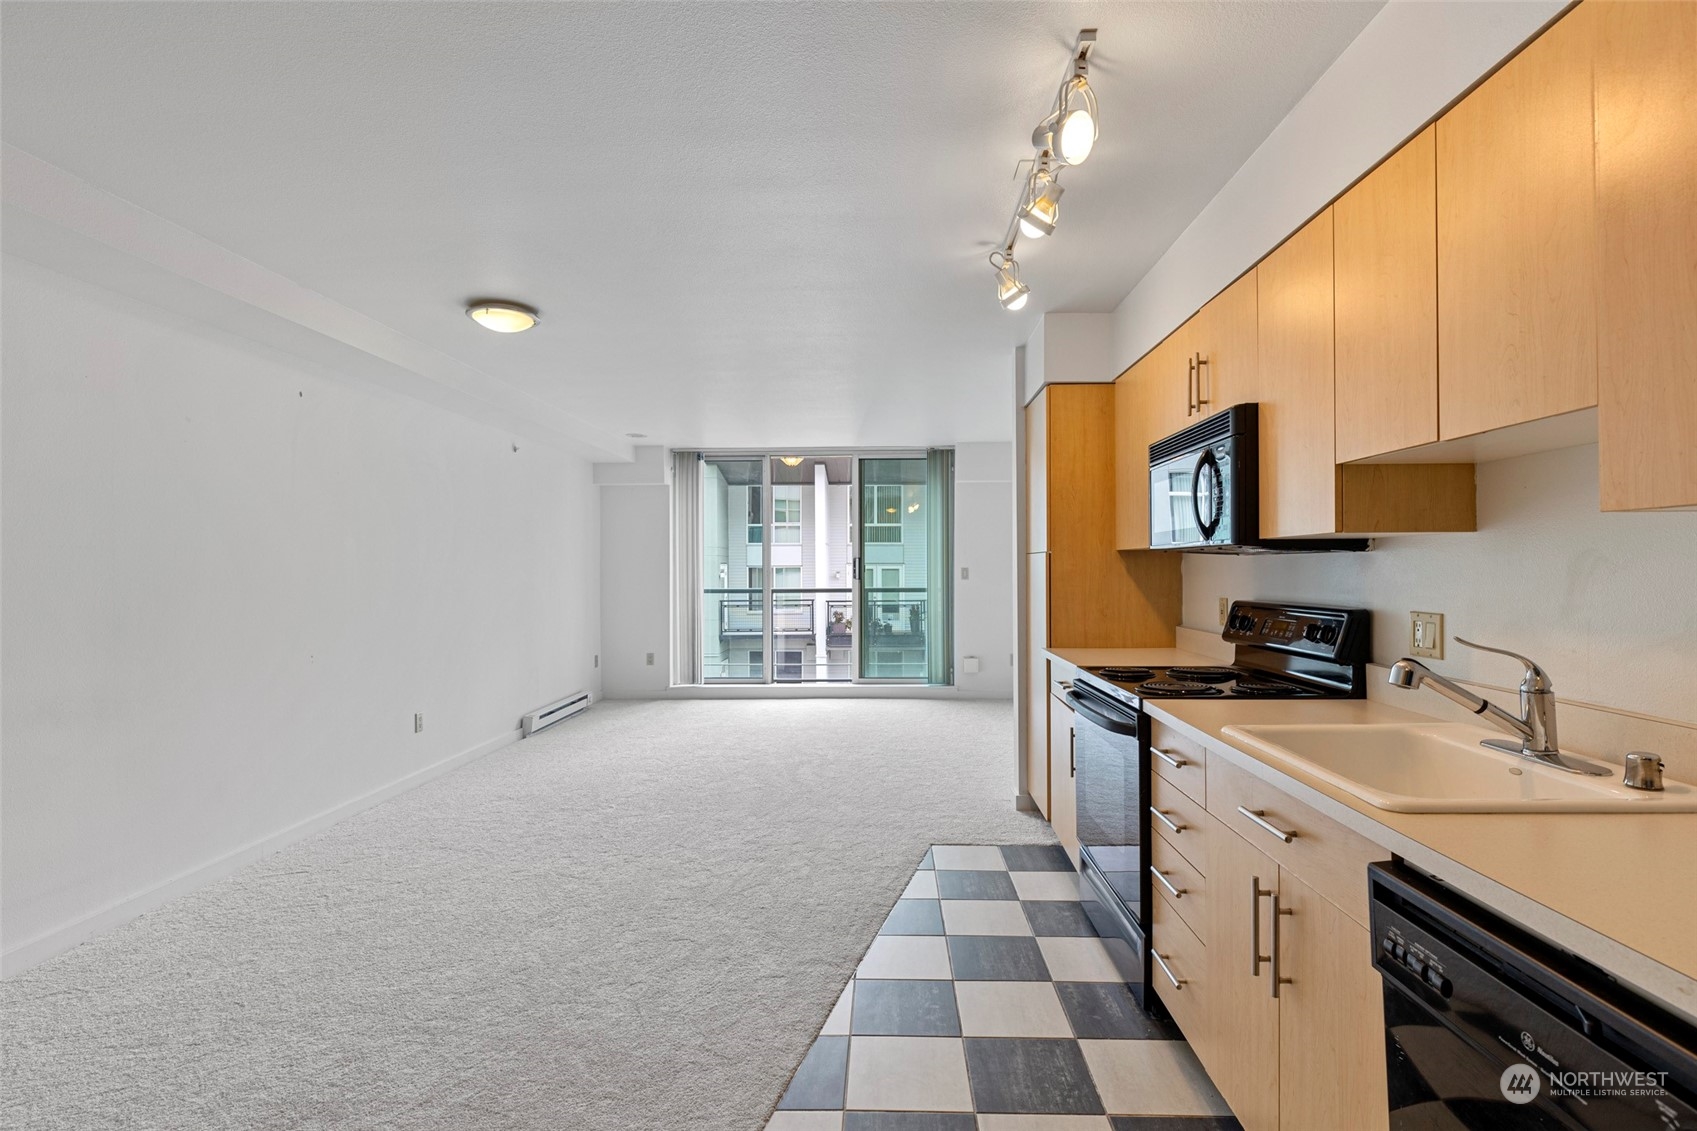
point(1426, 635)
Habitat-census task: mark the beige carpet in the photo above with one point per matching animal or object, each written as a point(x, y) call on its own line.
point(636, 920)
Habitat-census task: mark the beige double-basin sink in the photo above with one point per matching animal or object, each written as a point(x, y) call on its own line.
point(1445, 768)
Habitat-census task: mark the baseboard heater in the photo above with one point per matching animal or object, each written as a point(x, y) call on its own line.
point(544, 717)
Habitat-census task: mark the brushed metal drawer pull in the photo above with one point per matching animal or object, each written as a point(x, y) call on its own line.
point(1259, 816)
point(1176, 893)
point(1175, 763)
point(1160, 960)
point(1168, 821)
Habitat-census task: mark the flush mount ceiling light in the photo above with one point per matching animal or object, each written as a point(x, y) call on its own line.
point(1062, 139)
point(790, 461)
point(502, 317)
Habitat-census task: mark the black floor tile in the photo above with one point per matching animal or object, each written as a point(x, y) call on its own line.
point(1050, 918)
point(987, 958)
point(821, 1081)
point(904, 1009)
point(1106, 1011)
point(1036, 858)
point(914, 917)
point(974, 885)
point(1010, 1075)
point(908, 1121)
point(1174, 1123)
point(925, 864)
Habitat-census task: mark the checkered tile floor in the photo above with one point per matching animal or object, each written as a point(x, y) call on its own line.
point(988, 1003)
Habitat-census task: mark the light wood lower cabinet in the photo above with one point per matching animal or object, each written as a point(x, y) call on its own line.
point(1063, 776)
point(1241, 1048)
point(1309, 1057)
point(1331, 1017)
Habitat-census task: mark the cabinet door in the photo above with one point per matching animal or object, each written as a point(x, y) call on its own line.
point(1647, 253)
point(1131, 461)
point(1037, 683)
point(1241, 1047)
point(1517, 327)
point(1225, 339)
point(1386, 261)
point(1299, 494)
point(1331, 1017)
point(1063, 770)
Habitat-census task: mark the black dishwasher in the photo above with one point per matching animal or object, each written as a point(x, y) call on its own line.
point(1489, 1027)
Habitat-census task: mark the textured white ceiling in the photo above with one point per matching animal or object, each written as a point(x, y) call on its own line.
point(745, 224)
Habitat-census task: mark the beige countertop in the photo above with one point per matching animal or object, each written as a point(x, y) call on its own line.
point(1618, 889)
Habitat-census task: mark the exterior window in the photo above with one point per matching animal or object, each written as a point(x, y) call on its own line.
point(754, 530)
point(786, 577)
point(786, 515)
point(789, 665)
point(884, 514)
point(756, 663)
point(756, 577)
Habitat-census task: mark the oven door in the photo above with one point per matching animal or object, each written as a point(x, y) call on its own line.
point(1190, 499)
point(1112, 753)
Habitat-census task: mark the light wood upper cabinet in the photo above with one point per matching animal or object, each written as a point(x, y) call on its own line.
point(1134, 428)
point(1331, 1016)
point(1646, 104)
point(1298, 467)
point(1099, 597)
point(1386, 264)
point(1517, 327)
point(1223, 337)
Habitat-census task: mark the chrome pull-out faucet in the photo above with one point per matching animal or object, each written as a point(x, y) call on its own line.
point(1536, 725)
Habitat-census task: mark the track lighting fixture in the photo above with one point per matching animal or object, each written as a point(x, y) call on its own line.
point(1042, 207)
point(1064, 138)
point(1012, 293)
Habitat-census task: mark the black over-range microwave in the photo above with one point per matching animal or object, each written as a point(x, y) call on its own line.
point(1205, 489)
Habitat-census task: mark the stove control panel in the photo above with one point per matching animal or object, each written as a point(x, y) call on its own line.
point(1339, 635)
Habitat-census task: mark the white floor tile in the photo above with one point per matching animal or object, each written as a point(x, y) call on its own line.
point(1045, 885)
point(922, 886)
point(1010, 1009)
point(984, 917)
point(1079, 960)
point(906, 956)
point(1042, 1123)
point(837, 1025)
point(968, 858)
point(805, 1121)
point(1151, 1078)
point(908, 1074)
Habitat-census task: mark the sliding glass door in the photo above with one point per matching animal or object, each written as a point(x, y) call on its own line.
point(824, 568)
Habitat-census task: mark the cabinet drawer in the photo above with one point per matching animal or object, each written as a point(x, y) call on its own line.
point(1180, 820)
point(1316, 849)
point(1179, 760)
point(1185, 960)
point(1060, 678)
point(1171, 867)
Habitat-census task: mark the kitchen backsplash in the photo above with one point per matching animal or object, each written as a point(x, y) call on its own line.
point(1606, 603)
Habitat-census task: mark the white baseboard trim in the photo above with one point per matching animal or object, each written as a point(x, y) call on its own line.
point(39, 949)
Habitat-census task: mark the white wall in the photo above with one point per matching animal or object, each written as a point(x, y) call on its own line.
point(984, 546)
point(1602, 601)
point(230, 581)
point(1411, 60)
point(636, 574)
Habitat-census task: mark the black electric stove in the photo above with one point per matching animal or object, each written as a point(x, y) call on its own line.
point(1282, 652)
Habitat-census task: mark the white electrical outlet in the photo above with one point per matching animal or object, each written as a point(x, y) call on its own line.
point(1426, 635)
point(650, 659)
point(418, 724)
point(1225, 607)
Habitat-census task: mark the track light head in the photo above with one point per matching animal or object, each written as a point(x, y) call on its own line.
point(1010, 291)
point(1042, 208)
